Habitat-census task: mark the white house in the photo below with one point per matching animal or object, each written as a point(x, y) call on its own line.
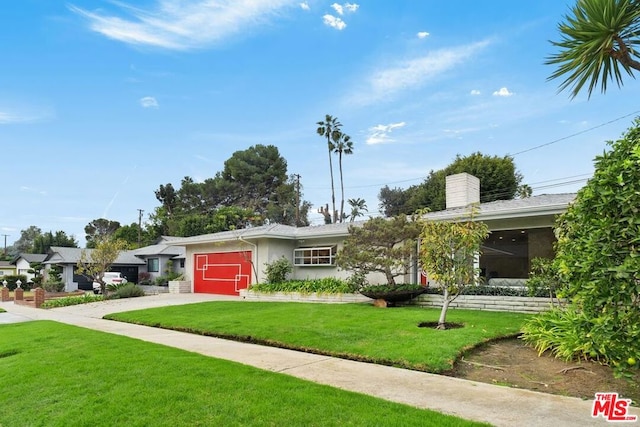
point(226, 262)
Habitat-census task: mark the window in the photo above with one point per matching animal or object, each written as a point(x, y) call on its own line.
point(182, 263)
point(153, 265)
point(314, 256)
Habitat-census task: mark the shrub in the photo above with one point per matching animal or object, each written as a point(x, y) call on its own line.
point(327, 285)
point(393, 288)
point(144, 278)
point(66, 301)
point(357, 281)
point(277, 271)
point(13, 278)
point(128, 290)
point(51, 286)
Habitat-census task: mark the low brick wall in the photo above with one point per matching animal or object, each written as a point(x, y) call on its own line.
point(299, 297)
point(484, 302)
point(154, 290)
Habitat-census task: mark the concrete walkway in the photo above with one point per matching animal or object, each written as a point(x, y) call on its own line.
point(500, 406)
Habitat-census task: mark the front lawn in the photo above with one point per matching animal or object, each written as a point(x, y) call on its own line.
point(59, 375)
point(356, 331)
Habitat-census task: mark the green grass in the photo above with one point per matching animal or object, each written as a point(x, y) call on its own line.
point(354, 331)
point(2, 310)
point(59, 375)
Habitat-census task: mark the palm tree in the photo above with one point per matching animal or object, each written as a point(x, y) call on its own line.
point(343, 145)
point(330, 128)
point(597, 43)
point(358, 208)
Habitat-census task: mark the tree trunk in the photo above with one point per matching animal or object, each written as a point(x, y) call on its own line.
point(333, 191)
point(390, 280)
point(341, 188)
point(443, 313)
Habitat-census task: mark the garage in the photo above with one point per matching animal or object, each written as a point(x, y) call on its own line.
point(222, 272)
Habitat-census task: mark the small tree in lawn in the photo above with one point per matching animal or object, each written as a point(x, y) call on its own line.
point(447, 252)
point(95, 263)
point(380, 245)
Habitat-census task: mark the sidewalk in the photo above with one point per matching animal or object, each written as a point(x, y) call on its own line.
point(500, 406)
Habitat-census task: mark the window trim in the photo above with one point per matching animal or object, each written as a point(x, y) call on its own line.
point(157, 270)
point(316, 256)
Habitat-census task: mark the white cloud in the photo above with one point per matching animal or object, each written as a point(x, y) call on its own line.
point(379, 134)
point(149, 102)
point(334, 22)
point(422, 34)
point(474, 92)
point(502, 92)
point(351, 7)
point(412, 73)
point(305, 6)
point(180, 25)
point(338, 8)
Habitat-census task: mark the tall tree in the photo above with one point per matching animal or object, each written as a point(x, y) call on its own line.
point(99, 229)
point(598, 40)
point(343, 146)
point(330, 129)
point(27, 237)
point(499, 180)
point(43, 242)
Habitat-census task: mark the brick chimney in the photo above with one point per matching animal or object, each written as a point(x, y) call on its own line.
point(462, 190)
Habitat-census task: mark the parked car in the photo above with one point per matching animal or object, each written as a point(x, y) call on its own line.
point(110, 278)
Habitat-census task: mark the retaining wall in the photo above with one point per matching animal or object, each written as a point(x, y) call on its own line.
point(474, 302)
point(299, 297)
point(486, 302)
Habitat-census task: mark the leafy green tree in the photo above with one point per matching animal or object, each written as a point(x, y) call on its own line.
point(392, 201)
point(93, 263)
point(447, 251)
point(99, 229)
point(598, 40)
point(358, 208)
point(43, 242)
point(499, 180)
point(330, 129)
point(27, 237)
point(129, 233)
point(343, 145)
point(380, 245)
point(598, 259)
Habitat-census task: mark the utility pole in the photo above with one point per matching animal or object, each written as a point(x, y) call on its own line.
point(5, 243)
point(140, 211)
point(297, 176)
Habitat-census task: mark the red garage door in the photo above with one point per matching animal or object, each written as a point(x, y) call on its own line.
point(222, 272)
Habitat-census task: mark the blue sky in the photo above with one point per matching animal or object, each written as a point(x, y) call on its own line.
point(103, 101)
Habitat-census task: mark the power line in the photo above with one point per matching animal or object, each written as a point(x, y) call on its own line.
point(575, 134)
point(555, 141)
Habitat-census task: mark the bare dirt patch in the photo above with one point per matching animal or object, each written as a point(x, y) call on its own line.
point(511, 363)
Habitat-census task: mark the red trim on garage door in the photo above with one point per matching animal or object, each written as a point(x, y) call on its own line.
point(222, 272)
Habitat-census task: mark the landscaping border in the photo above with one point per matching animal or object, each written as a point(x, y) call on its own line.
point(486, 302)
point(300, 297)
point(471, 302)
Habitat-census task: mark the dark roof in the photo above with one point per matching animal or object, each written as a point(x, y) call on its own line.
point(30, 258)
point(61, 255)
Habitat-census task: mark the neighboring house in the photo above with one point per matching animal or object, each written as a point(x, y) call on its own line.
point(23, 263)
point(7, 269)
point(155, 259)
point(224, 263)
point(162, 258)
point(67, 258)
